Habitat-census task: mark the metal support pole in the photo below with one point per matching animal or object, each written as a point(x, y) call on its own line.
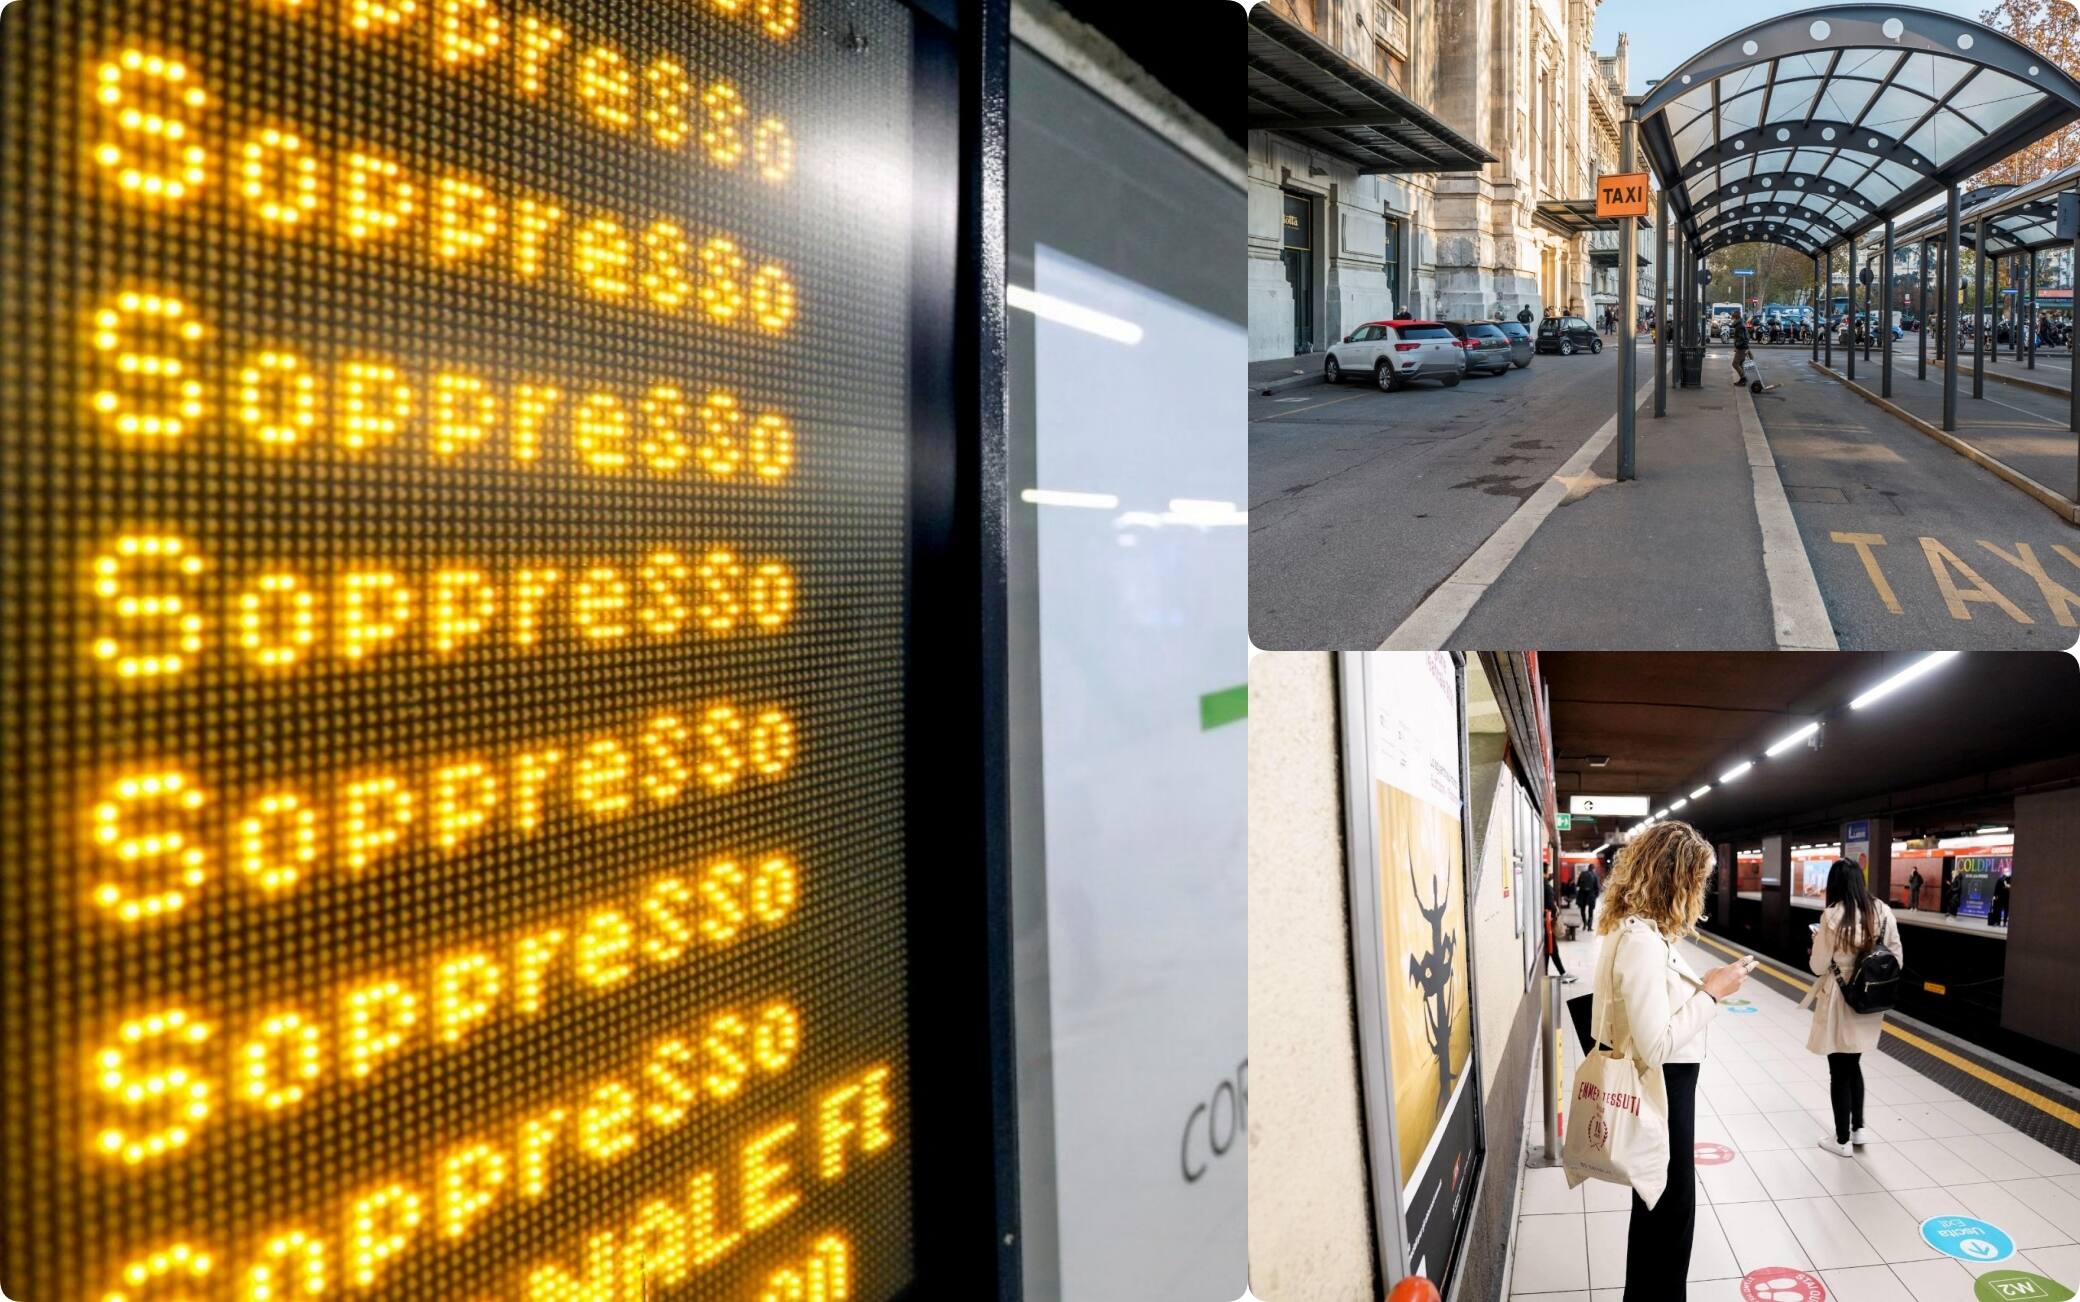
point(2030, 325)
point(1849, 324)
point(1827, 311)
point(1816, 309)
point(1951, 233)
point(1885, 328)
point(1980, 315)
point(1553, 1060)
point(1660, 297)
point(2073, 349)
point(1628, 311)
point(1921, 319)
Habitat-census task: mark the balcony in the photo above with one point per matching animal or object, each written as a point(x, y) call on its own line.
point(1390, 25)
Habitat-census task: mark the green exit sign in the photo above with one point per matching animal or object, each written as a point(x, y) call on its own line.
point(1566, 822)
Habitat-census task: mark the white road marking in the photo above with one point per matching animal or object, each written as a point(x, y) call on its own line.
point(1796, 610)
point(1433, 623)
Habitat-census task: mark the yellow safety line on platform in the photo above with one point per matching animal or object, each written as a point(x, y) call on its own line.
point(2050, 1107)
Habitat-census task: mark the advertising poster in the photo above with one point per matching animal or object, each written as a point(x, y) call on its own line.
point(1975, 876)
point(1856, 845)
point(1811, 876)
point(1422, 898)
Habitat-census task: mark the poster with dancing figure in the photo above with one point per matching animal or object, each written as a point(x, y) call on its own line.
point(1426, 970)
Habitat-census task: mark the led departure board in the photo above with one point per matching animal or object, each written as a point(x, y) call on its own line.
point(456, 459)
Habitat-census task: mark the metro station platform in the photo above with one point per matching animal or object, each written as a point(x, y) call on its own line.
point(1909, 917)
point(1955, 1131)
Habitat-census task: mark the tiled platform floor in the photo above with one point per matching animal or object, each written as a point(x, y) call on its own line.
point(1851, 1222)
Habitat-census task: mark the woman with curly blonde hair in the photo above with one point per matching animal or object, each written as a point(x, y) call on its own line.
point(1658, 1011)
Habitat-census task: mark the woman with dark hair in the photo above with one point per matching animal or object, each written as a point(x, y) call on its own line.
point(1850, 927)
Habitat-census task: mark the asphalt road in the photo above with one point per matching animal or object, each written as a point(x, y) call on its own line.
point(1913, 546)
point(1361, 502)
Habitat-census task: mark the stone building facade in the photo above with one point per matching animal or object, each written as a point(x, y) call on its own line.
point(1330, 249)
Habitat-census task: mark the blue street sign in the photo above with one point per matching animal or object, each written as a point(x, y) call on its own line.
point(1967, 1238)
point(1749, 272)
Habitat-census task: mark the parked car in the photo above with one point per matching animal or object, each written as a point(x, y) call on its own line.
point(1487, 348)
point(1520, 349)
point(1567, 335)
point(1397, 353)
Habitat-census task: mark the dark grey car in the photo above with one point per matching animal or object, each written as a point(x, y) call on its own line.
point(1520, 349)
point(1487, 348)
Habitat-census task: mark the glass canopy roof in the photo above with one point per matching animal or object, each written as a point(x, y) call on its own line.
point(2019, 218)
point(1812, 127)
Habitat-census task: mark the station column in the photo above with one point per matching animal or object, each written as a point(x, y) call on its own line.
point(1868, 841)
point(2043, 964)
point(1720, 906)
point(1776, 892)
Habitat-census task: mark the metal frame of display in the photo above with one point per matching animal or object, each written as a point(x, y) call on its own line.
point(1391, 1243)
point(964, 1164)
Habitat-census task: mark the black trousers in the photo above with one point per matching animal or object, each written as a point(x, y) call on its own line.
point(1657, 1246)
point(1845, 1090)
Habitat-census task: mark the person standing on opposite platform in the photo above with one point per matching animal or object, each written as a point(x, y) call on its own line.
point(1997, 914)
point(1851, 926)
point(1658, 1011)
point(1914, 889)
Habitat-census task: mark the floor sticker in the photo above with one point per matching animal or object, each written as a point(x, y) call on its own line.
point(1967, 1239)
point(1733, 1009)
point(2019, 1286)
point(1781, 1284)
point(1713, 1155)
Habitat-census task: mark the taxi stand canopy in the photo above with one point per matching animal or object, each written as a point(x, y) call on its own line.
point(1810, 129)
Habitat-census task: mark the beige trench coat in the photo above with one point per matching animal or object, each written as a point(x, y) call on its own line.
point(1838, 1028)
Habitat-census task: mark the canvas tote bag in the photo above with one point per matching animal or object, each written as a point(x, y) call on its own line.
point(1617, 1111)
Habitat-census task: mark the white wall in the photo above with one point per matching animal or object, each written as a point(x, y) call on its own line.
point(1309, 1236)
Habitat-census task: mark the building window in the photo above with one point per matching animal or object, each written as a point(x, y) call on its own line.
point(1393, 262)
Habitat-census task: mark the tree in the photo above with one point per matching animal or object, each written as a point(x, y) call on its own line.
point(2052, 29)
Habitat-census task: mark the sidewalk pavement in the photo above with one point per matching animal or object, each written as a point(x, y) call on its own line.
point(2020, 434)
point(1276, 374)
point(1699, 551)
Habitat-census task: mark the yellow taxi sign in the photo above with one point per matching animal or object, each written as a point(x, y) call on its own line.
point(1622, 194)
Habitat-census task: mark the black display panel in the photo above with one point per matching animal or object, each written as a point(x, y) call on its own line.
point(456, 458)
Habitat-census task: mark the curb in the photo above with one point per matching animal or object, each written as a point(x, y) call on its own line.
point(2050, 390)
point(2065, 508)
point(1288, 382)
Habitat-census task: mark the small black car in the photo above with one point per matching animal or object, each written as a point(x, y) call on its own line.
point(1567, 335)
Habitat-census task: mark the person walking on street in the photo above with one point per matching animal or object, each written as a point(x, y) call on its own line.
point(1997, 913)
point(1741, 340)
point(1660, 1012)
point(1914, 889)
point(1852, 927)
point(1524, 316)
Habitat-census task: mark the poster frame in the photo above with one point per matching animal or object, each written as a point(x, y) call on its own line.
point(1369, 966)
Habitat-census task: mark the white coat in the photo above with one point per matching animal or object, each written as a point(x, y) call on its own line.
point(1838, 1028)
point(1655, 1001)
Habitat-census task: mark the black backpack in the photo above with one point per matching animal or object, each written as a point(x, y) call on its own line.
point(1874, 986)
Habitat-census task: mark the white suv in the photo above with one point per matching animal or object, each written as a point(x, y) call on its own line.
point(1396, 352)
